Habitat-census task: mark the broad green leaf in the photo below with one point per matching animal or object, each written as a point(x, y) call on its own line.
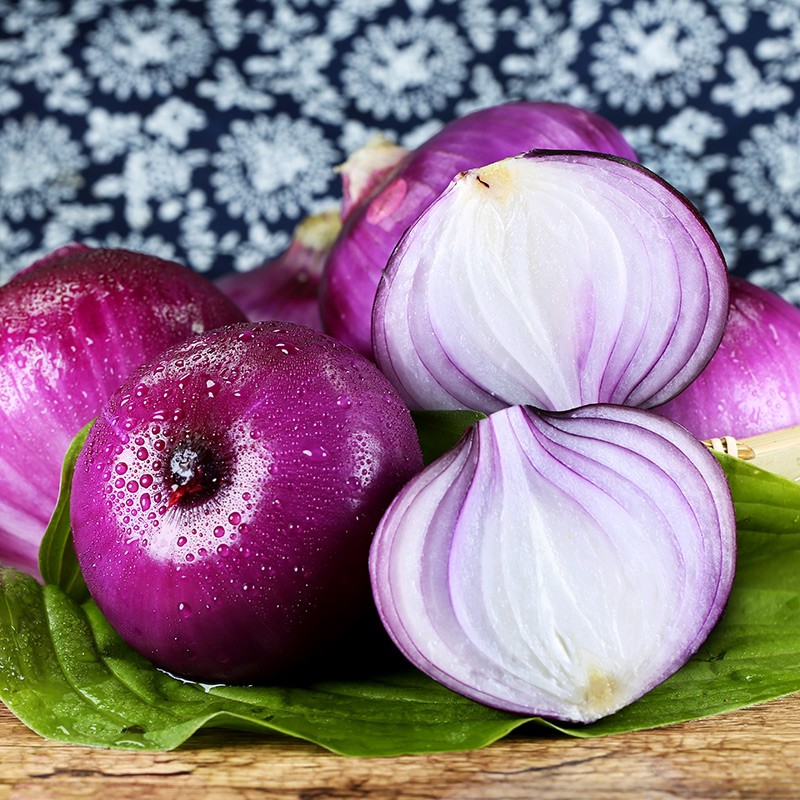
point(438, 431)
point(67, 675)
point(58, 564)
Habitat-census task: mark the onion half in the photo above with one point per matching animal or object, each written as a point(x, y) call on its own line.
point(555, 279)
point(374, 226)
point(73, 326)
point(558, 564)
point(752, 383)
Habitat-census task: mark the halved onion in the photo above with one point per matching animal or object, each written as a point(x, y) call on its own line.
point(381, 210)
point(556, 279)
point(558, 564)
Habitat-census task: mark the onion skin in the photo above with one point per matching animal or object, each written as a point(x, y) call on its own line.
point(558, 564)
point(555, 279)
point(73, 326)
point(372, 229)
point(223, 506)
point(752, 383)
point(287, 287)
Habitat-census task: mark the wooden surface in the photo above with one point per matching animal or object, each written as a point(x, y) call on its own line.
point(753, 753)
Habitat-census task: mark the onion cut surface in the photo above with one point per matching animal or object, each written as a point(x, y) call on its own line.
point(382, 212)
point(558, 564)
point(555, 279)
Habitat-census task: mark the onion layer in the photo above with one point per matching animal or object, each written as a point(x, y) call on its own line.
point(73, 326)
point(558, 564)
point(752, 383)
point(555, 279)
point(374, 226)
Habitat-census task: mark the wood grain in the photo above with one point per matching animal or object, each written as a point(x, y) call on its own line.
point(754, 753)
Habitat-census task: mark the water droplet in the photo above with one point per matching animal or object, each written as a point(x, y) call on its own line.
point(287, 348)
point(144, 502)
point(234, 518)
point(219, 531)
point(132, 487)
point(121, 468)
point(181, 541)
point(246, 336)
point(159, 444)
point(223, 550)
point(272, 469)
point(185, 610)
point(146, 480)
point(343, 401)
point(316, 453)
point(190, 556)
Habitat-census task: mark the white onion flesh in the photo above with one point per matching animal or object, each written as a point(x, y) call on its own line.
point(556, 279)
point(558, 564)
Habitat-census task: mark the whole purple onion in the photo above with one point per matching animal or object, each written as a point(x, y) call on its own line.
point(287, 287)
point(73, 326)
point(752, 383)
point(558, 564)
point(223, 506)
point(373, 228)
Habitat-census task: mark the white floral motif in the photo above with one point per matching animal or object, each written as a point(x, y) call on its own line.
point(40, 167)
point(146, 52)
point(269, 167)
point(406, 68)
point(294, 58)
point(767, 174)
point(749, 91)
point(548, 47)
point(156, 169)
point(659, 53)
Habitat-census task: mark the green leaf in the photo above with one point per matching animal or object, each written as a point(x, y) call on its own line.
point(58, 564)
point(438, 431)
point(67, 675)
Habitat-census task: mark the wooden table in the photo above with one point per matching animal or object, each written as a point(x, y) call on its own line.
point(753, 753)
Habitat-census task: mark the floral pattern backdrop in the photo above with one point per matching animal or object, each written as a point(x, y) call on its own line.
point(204, 131)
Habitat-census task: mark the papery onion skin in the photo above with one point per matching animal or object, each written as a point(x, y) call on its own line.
point(752, 383)
point(555, 279)
point(372, 230)
point(558, 564)
point(223, 506)
point(73, 326)
point(287, 287)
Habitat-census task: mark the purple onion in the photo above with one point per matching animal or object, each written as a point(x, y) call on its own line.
point(558, 564)
point(372, 230)
point(73, 326)
point(223, 506)
point(752, 383)
point(287, 287)
point(555, 279)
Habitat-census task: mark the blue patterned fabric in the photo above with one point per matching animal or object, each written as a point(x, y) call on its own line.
point(203, 131)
